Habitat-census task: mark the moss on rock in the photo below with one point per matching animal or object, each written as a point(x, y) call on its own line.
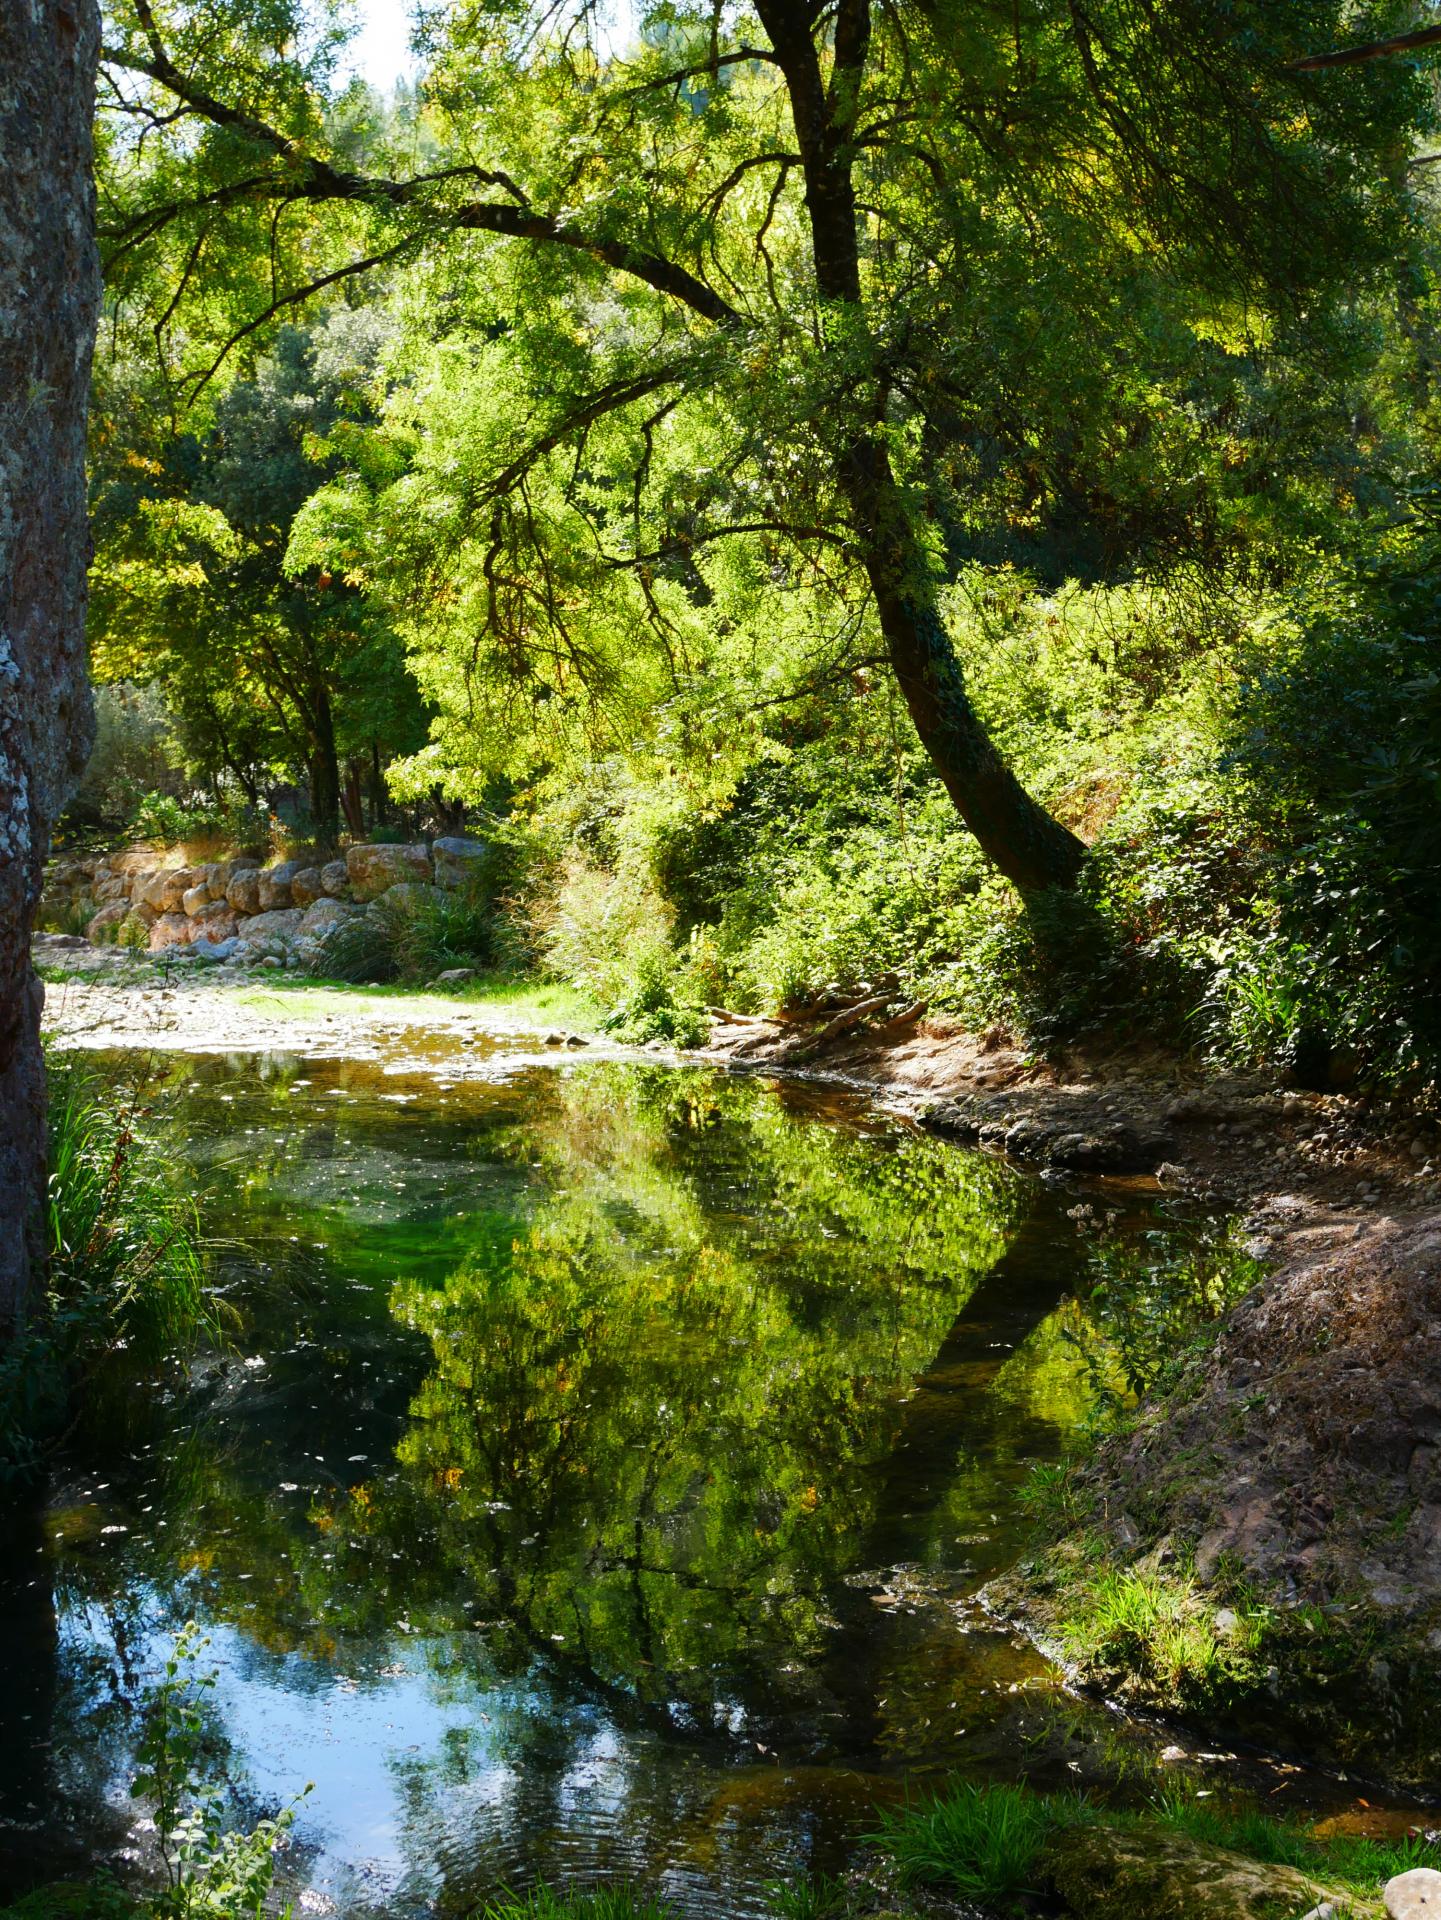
point(1114, 1873)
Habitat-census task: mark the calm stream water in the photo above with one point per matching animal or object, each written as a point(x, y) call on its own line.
point(595, 1484)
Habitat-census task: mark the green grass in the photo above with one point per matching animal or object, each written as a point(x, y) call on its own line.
point(525, 1003)
point(1162, 1629)
point(984, 1842)
point(127, 1296)
point(601, 1903)
point(981, 1841)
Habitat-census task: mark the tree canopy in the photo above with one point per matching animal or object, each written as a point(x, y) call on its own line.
point(720, 350)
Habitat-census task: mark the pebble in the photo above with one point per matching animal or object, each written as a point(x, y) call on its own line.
point(1415, 1895)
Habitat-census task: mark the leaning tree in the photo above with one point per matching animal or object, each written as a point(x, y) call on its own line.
point(906, 256)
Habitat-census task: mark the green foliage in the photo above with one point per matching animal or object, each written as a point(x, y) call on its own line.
point(982, 1842)
point(599, 1903)
point(213, 1870)
point(1161, 1629)
point(126, 1298)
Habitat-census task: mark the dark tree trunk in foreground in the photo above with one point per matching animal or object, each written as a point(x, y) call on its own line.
point(49, 299)
point(1031, 848)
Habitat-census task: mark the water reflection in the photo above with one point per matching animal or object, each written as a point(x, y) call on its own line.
point(596, 1488)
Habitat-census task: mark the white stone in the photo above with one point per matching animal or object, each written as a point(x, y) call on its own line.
point(1415, 1895)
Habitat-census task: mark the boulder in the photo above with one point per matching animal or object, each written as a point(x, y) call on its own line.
point(133, 861)
point(194, 898)
point(274, 888)
point(334, 879)
point(455, 976)
point(1149, 1873)
point(1415, 1895)
point(139, 910)
point(321, 915)
point(216, 920)
point(170, 930)
point(216, 951)
point(106, 924)
point(455, 860)
point(165, 890)
point(243, 891)
point(280, 924)
point(372, 871)
point(135, 927)
point(115, 886)
point(406, 895)
point(306, 886)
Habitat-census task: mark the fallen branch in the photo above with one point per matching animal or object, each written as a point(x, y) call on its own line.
point(850, 1017)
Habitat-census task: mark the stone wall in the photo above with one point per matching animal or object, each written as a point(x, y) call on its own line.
point(240, 912)
point(49, 299)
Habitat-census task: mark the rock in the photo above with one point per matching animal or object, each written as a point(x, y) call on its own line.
point(165, 891)
point(1105, 1873)
point(170, 930)
point(115, 887)
point(406, 895)
point(215, 951)
point(372, 871)
point(273, 888)
point(194, 898)
point(1415, 1895)
point(105, 925)
point(216, 920)
point(323, 914)
point(456, 859)
point(243, 891)
point(455, 976)
point(282, 924)
point(334, 880)
point(271, 960)
point(306, 886)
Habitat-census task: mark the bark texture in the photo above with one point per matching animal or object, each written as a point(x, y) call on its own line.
point(49, 301)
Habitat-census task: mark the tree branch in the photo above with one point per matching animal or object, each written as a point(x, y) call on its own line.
point(1369, 50)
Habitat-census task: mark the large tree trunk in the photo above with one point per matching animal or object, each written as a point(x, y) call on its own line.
point(1031, 848)
point(49, 300)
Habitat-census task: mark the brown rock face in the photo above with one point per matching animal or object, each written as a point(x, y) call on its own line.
point(373, 870)
point(243, 893)
point(274, 887)
point(306, 886)
point(49, 298)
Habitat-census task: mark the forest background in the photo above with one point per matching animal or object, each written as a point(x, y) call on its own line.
point(947, 488)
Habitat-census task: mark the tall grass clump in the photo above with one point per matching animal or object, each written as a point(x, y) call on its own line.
point(126, 1296)
point(598, 1903)
point(982, 1842)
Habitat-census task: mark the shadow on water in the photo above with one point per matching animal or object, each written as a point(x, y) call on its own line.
point(597, 1484)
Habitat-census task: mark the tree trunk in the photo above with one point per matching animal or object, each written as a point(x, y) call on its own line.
point(324, 769)
point(49, 301)
point(1033, 850)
